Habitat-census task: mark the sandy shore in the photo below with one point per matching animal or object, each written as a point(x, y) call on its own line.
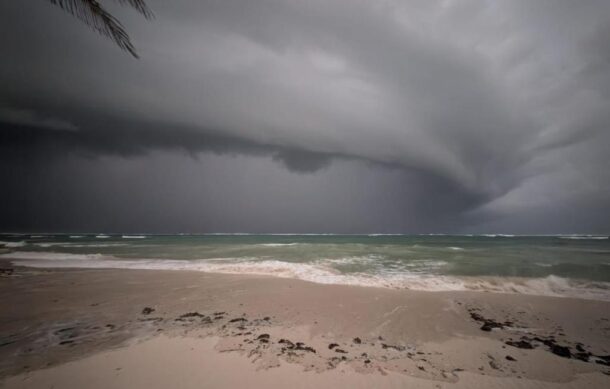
point(159, 329)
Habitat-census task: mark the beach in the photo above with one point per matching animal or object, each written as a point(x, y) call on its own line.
point(74, 328)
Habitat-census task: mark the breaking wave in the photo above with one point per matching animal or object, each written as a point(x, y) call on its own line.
point(583, 237)
point(324, 273)
point(277, 244)
point(12, 244)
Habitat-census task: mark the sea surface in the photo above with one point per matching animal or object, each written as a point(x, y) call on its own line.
point(566, 266)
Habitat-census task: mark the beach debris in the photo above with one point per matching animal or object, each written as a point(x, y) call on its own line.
point(152, 319)
point(602, 360)
point(562, 351)
point(488, 324)
point(520, 344)
point(7, 342)
point(509, 358)
point(357, 340)
point(338, 350)
point(287, 344)
point(191, 314)
point(391, 346)
point(263, 338)
point(6, 272)
point(333, 345)
point(238, 319)
point(303, 347)
point(147, 310)
point(298, 346)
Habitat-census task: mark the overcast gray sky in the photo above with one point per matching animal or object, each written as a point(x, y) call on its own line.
point(350, 116)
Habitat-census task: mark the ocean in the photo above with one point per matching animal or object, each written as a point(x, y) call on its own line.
point(564, 266)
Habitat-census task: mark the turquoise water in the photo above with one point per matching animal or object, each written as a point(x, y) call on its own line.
point(576, 266)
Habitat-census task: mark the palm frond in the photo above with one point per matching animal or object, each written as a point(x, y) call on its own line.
point(138, 5)
point(94, 15)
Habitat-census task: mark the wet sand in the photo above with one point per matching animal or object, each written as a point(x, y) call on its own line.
point(141, 328)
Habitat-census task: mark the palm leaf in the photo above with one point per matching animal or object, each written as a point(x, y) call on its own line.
point(94, 15)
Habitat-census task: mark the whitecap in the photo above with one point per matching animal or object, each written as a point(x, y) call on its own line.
point(277, 244)
point(12, 244)
point(583, 237)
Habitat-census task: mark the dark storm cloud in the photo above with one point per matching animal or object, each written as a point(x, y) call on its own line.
point(29, 135)
point(485, 113)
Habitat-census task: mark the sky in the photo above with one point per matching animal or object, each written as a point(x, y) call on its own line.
point(344, 116)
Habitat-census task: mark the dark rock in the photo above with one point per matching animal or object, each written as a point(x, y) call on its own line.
point(332, 345)
point(239, 319)
point(147, 310)
point(357, 340)
point(338, 350)
point(263, 336)
point(367, 361)
point(509, 358)
point(494, 365)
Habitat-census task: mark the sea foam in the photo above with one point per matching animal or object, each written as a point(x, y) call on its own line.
point(323, 273)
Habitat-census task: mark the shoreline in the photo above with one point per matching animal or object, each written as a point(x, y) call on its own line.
point(549, 286)
point(54, 316)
